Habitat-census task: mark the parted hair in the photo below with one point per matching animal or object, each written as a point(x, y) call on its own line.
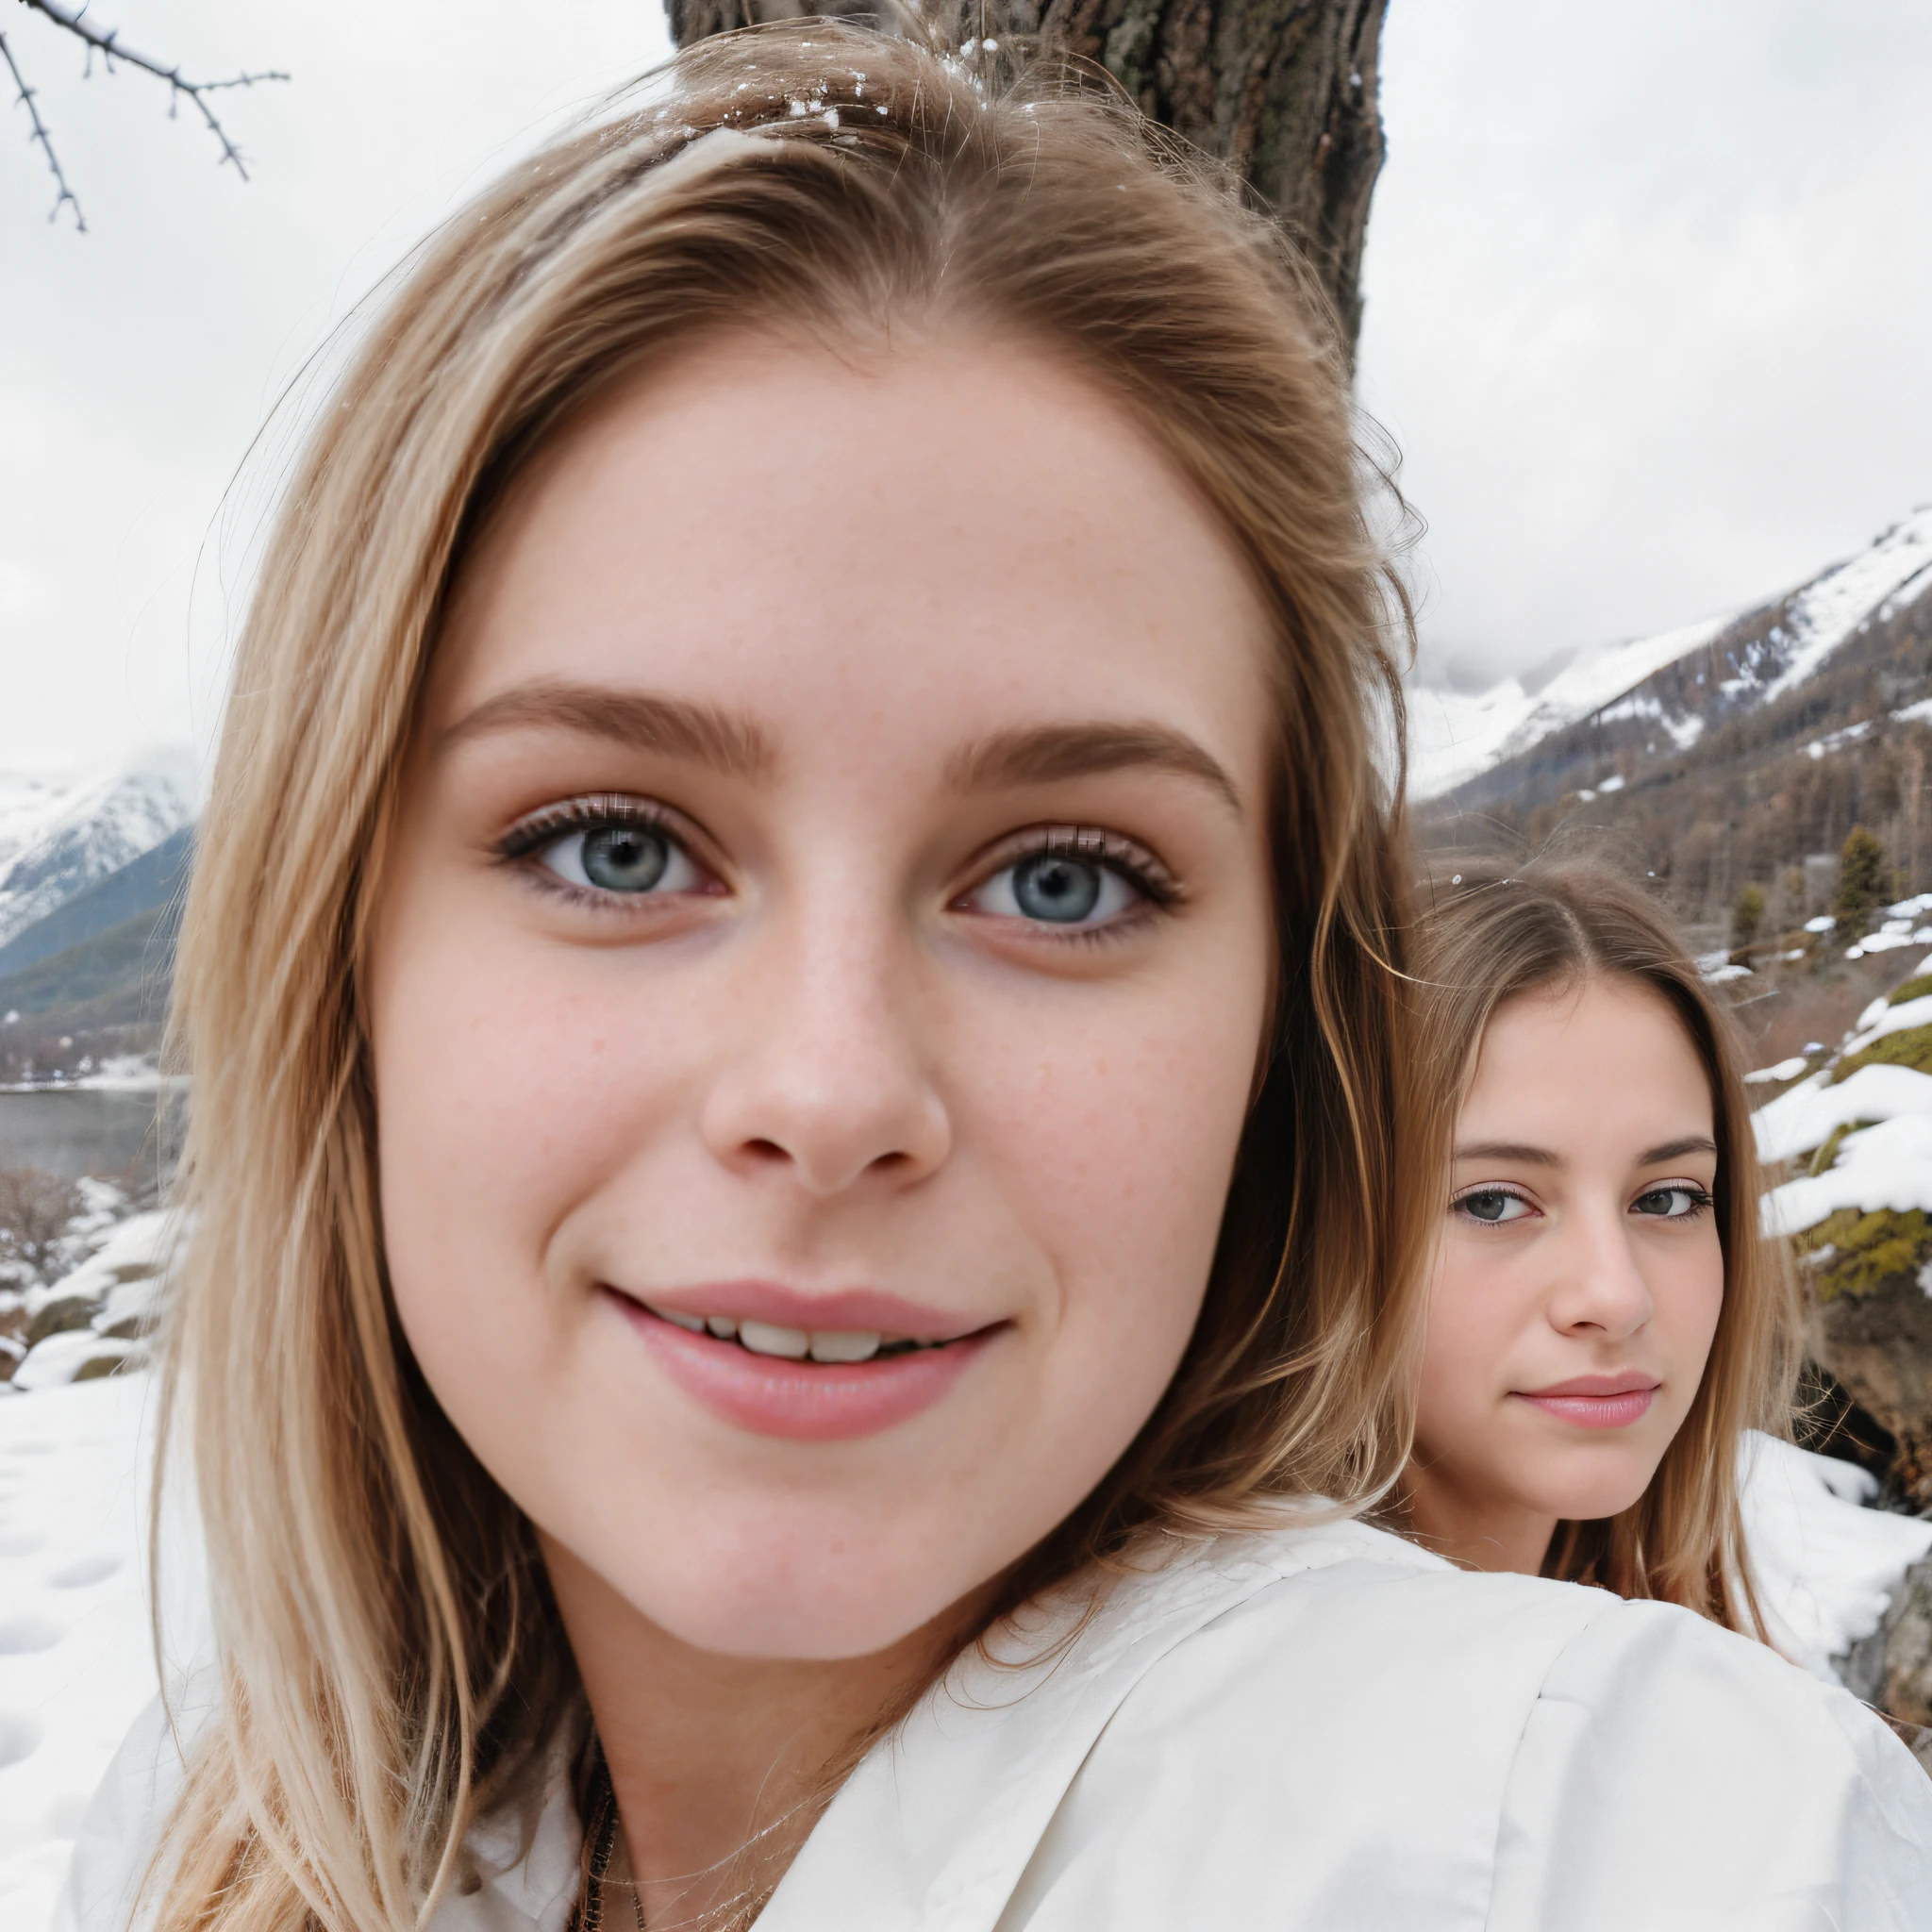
point(1487, 938)
point(391, 1661)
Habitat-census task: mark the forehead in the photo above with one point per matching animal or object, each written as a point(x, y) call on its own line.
point(1587, 1059)
point(944, 534)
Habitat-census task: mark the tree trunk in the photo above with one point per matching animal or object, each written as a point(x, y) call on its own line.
point(1286, 91)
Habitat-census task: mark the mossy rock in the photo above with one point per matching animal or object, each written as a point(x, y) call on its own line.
point(1867, 1250)
point(1907, 1692)
point(1912, 990)
point(1910, 1048)
point(57, 1317)
point(1878, 1344)
point(1826, 1154)
point(97, 1368)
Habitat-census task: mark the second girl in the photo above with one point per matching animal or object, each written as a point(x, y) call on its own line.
point(1606, 1320)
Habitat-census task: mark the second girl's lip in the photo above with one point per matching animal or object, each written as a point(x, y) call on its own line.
point(1597, 1402)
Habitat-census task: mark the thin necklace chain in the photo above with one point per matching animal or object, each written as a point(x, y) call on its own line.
point(602, 1837)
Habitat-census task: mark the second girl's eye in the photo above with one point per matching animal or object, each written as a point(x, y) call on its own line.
point(626, 858)
point(1058, 887)
point(1671, 1203)
point(1492, 1205)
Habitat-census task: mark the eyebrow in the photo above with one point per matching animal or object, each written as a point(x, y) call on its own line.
point(1041, 754)
point(1675, 1149)
point(640, 720)
point(1544, 1156)
point(1510, 1150)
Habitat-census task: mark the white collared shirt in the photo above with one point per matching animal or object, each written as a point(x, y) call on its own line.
point(1324, 1729)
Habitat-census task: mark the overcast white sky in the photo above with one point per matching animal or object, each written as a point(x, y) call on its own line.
point(1650, 301)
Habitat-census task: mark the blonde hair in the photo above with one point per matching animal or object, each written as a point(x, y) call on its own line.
point(391, 1659)
point(1488, 939)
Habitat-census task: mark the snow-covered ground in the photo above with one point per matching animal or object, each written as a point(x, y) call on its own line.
point(1826, 1564)
point(76, 1657)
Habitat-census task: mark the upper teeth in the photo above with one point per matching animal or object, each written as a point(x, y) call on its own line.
point(845, 1344)
point(768, 1337)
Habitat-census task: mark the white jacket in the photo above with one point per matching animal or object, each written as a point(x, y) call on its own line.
point(1322, 1728)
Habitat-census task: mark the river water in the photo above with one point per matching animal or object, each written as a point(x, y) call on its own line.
point(81, 1130)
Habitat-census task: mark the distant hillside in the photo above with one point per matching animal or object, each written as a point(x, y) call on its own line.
point(119, 977)
point(146, 884)
point(61, 835)
point(1737, 750)
point(89, 982)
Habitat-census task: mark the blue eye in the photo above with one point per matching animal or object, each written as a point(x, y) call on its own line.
point(631, 859)
point(1062, 891)
point(1053, 888)
point(1671, 1203)
point(1492, 1206)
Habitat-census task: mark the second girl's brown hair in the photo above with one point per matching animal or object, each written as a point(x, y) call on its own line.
point(1490, 939)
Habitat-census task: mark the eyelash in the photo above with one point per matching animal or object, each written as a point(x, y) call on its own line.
point(1093, 845)
point(1701, 1201)
point(590, 813)
point(1476, 1193)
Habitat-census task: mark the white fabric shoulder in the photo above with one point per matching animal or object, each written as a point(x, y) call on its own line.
point(1329, 1729)
point(1673, 1776)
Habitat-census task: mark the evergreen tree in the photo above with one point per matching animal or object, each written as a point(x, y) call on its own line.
point(1861, 885)
point(1747, 918)
point(1794, 906)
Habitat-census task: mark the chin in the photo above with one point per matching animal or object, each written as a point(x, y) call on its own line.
point(793, 1595)
point(1599, 1494)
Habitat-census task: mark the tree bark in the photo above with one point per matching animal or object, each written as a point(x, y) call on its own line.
point(1285, 90)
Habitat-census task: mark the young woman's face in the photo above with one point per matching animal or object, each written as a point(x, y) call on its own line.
point(1579, 1276)
point(817, 989)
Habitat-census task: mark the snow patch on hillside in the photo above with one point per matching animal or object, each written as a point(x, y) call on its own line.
point(1884, 1161)
point(1894, 571)
point(1808, 1115)
point(61, 834)
point(1454, 735)
point(1827, 1566)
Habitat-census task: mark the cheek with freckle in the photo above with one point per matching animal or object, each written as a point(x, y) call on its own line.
point(510, 1086)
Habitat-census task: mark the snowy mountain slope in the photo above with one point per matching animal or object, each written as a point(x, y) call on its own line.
point(1741, 661)
point(1457, 734)
point(61, 834)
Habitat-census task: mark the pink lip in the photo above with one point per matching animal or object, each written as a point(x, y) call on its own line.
point(792, 1307)
point(1596, 1402)
point(806, 1401)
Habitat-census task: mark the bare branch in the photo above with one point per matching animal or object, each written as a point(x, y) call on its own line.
point(108, 44)
point(24, 98)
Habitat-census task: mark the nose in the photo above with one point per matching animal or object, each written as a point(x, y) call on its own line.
point(830, 1081)
point(1601, 1287)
